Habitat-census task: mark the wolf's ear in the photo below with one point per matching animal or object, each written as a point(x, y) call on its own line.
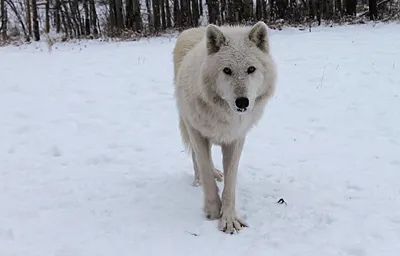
point(259, 35)
point(215, 38)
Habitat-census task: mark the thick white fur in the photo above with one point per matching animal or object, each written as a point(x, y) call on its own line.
point(205, 97)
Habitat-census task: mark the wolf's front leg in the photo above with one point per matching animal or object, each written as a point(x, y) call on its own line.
point(202, 150)
point(231, 153)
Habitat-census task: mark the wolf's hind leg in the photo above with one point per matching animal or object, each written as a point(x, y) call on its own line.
point(218, 175)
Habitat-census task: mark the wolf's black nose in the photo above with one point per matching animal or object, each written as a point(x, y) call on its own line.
point(242, 102)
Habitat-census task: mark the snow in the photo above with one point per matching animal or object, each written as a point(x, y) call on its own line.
point(91, 160)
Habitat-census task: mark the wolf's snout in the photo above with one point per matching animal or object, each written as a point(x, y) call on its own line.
point(242, 103)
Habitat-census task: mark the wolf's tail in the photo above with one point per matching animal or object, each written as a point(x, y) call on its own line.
point(185, 136)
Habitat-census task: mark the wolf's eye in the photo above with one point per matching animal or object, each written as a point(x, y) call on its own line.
point(251, 69)
point(227, 71)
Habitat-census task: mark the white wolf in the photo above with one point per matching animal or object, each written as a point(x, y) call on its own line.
point(223, 78)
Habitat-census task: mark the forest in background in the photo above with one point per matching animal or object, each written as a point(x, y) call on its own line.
point(133, 19)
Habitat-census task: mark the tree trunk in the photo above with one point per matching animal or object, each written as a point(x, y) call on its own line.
point(351, 7)
point(93, 17)
point(258, 10)
point(87, 19)
point(35, 23)
point(129, 16)
point(67, 20)
point(339, 8)
point(129, 20)
point(184, 14)
point(47, 28)
point(137, 16)
point(3, 13)
point(319, 11)
point(272, 10)
point(264, 13)
point(118, 14)
point(201, 7)
point(373, 10)
point(78, 16)
point(311, 9)
point(28, 17)
point(195, 12)
point(112, 21)
point(189, 14)
point(238, 11)
point(163, 18)
point(168, 8)
point(224, 7)
point(213, 11)
point(65, 24)
point(156, 15)
point(248, 10)
point(329, 9)
point(149, 18)
point(75, 17)
point(177, 14)
point(57, 10)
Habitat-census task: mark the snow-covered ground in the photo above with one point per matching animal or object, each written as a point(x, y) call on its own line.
point(91, 161)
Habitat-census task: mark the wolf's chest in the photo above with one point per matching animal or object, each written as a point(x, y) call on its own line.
point(227, 130)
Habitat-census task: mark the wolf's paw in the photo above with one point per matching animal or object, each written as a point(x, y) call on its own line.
point(196, 181)
point(230, 223)
point(218, 175)
point(212, 208)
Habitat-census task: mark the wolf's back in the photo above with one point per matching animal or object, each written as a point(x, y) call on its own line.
point(186, 41)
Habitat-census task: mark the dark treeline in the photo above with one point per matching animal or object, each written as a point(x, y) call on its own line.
point(134, 18)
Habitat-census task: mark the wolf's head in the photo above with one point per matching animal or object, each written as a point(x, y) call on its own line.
point(238, 71)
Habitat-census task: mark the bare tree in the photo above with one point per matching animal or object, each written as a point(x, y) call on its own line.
point(89, 18)
point(15, 10)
